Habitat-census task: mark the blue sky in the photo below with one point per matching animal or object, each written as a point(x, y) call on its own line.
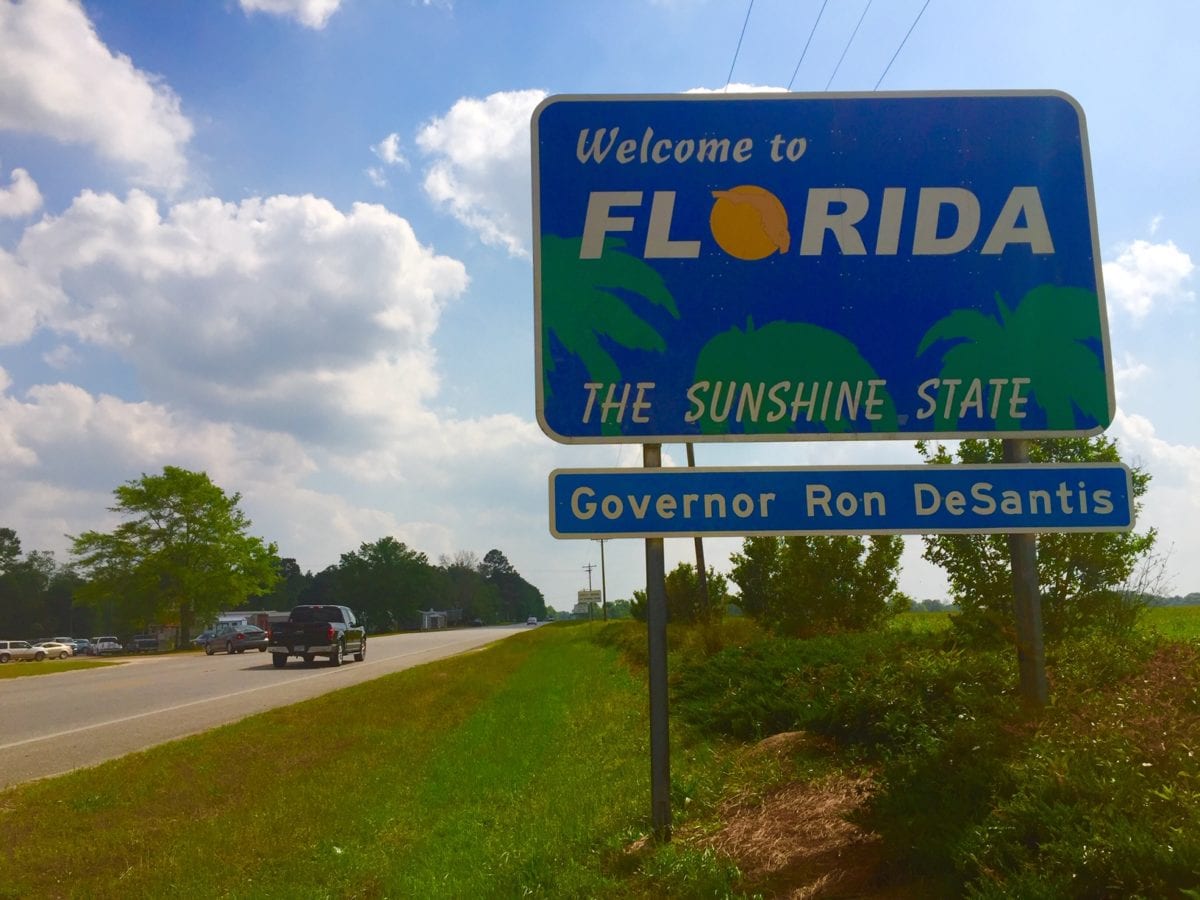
point(287, 242)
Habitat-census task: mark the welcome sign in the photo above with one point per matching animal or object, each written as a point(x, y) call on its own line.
point(784, 266)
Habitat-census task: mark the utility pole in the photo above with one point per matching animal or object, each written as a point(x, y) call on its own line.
point(603, 587)
point(701, 571)
point(589, 568)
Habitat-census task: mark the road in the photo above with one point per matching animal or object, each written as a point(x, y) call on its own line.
point(50, 724)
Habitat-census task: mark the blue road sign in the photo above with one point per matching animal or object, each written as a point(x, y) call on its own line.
point(919, 499)
point(789, 266)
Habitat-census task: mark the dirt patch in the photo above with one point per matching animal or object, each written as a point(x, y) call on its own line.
point(799, 839)
point(799, 842)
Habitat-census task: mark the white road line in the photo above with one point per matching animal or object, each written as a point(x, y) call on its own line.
point(167, 709)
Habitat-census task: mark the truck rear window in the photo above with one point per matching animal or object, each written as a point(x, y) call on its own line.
point(317, 614)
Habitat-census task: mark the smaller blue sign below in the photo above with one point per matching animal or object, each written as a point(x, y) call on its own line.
point(917, 499)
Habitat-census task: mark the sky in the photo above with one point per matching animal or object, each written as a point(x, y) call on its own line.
point(288, 243)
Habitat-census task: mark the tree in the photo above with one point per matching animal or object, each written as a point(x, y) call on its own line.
point(807, 585)
point(518, 598)
point(1083, 576)
point(183, 552)
point(685, 599)
point(10, 549)
point(292, 584)
point(385, 582)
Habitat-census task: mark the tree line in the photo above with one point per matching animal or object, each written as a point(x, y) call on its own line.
point(183, 553)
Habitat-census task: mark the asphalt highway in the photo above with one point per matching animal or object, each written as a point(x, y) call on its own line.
point(50, 724)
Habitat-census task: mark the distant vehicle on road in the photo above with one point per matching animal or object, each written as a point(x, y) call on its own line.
point(56, 649)
point(105, 645)
point(532, 620)
point(20, 650)
point(235, 639)
point(313, 631)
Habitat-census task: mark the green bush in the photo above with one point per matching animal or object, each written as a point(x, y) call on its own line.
point(1105, 798)
point(776, 684)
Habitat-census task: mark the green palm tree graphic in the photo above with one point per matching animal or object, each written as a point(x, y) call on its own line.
point(583, 305)
point(1052, 338)
point(751, 357)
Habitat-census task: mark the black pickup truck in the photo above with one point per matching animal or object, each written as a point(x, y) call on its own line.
point(312, 631)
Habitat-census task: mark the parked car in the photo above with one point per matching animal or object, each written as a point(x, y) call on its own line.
point(83, 647)
point(56, 649)
point(143, 643)
point(105, 644)
point(14, 650)
point(202, 638)
point(236, 639)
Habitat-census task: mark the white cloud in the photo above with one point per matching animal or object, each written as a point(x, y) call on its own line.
point(737, 87)
point(1172, 503)
point(388, 150)
point(60, 80)
point(1128, 371)
point(63, 450)
point(480, 167)
point(1144, 275)
point(21, 198)
point(283, 312)
point(310, 13)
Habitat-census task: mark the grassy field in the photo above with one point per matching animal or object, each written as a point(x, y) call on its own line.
point(518, 770)
point(1173, 622)
point(895, 761)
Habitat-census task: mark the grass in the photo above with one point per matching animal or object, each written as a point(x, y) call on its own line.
point(49, 667)
point(522, 770)
point(1177, 623)
point(518, 770)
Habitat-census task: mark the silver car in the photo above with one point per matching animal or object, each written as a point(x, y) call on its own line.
point(56, 649)
point(13, 650)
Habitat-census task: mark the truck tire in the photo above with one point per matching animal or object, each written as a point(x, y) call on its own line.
point(229, 648)
point(4, 657)
point(335, 655)
point(362, 651)
point(279, 660)
point(208, 650)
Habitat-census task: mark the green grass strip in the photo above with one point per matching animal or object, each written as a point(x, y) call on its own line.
point(49, 667)
point(498, 773)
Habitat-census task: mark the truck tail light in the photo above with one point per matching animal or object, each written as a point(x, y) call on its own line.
point(332, 633)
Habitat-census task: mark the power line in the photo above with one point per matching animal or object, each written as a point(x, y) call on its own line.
point(738, 49)
point(901, 47)
point(848, 43)
point(804, 52)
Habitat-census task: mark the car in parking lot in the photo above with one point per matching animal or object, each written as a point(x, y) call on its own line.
point(235, 639)
point(20, 650)
point(83, 647)
point(56, 649)
point(105, 644)
point(143, 643)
